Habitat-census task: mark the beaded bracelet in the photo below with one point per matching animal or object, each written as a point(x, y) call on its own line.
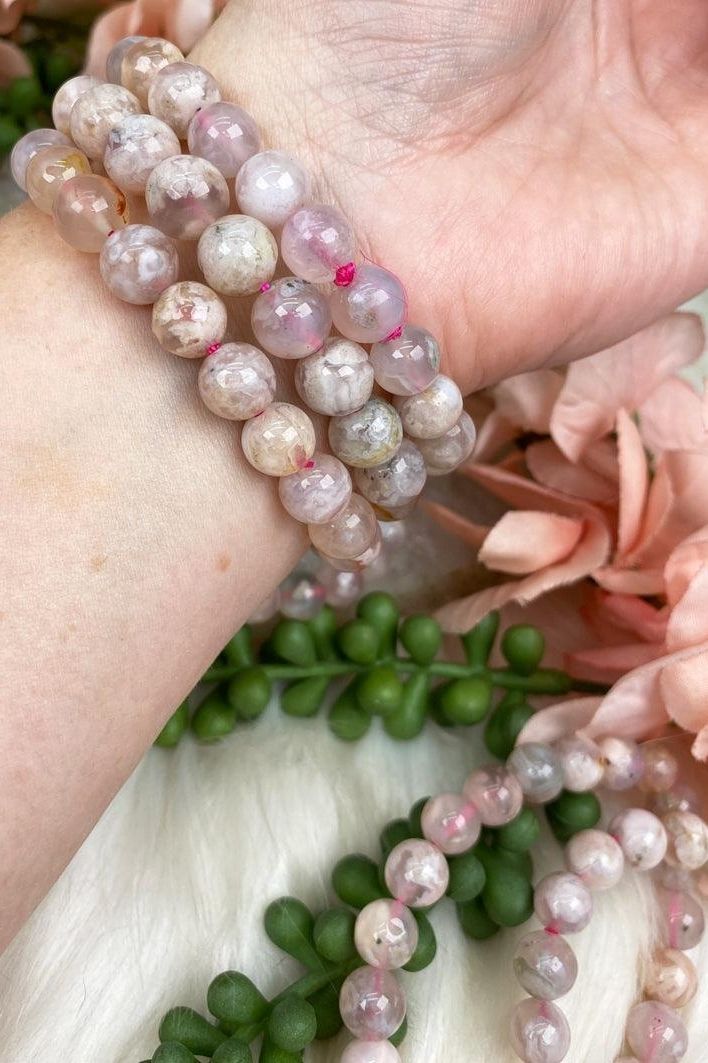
point(188, 198)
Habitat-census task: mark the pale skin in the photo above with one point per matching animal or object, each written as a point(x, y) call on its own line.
point(537, 174)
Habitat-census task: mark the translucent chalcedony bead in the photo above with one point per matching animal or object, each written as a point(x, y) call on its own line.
point(342, 588)
point(656, 1033)
point(688, 840)
point(279, 440)
point(432, 412)
point(237, 255)
point(581, 764)
point(178, 91)
point(184, 195)
point(537, 767)
point(237, 381)
point(225, 135)
point(539, 1032)
point(67, 95)
point(291, 318)
point(496, 793)
point(301, 596)
point(447, 452)
point(361, 561)
point(96, 112)
point(671, 978)
point(660, 769)
point(563, 902)
point(642, 837)
point(315, 242)
point(138, 262)
point(368, 436)
point(28, 146)
point(188, 319)
point(680, 798)
point(372, 307)
point(316, 493)
point(416, 873)
point(370, 1052)
point(114, 61)
point(86, 209)
point(394, 483)
point(271, 186)
point(684, 919)
point(372, 1003)
point(624, 764)
point(336, 380)
point(545, 965)
point(142, 61)
point(134, 148)
point(408, 364)
point(49, 169)
point(596, 858)
point(451, 822)
point(347, 535)
point(386, 934)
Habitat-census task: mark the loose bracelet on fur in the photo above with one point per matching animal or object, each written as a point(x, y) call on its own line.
point(188, 198)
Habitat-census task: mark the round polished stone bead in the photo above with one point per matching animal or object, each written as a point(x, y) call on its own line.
point(280, 440)
point(563, 902)
point(237, 255)
point(688, 840)
point(336, 380)
point(642, 837)
point(395, 483)
point(624, 764)
point(581, 764)
point(237, 381)
point(372, 1003)
point(291, 318)
point(660, 769)
point(347, 535)
point(66, 96)
point(134, 148)
point(362, 561)
point(671, 978)
point(416, 873)
point(496, 793)
point(114, 62)
point(545, 965)
point(86, 209)
point(271, 186)
point(596, 858)
point(188, 319)
point(316, 493)
point(368, 436)
point(28, 146)
point(370, 1052)
point(408, 364)
point(301, 596)
point(537, 767)
point(680, 798)
point(386, 934)
point(539, 1032)
point(184, 195)
point(178, 91)
point(372, 307)
point(138, 262)
point(96, 112)
point(447, 452)
point(683, 917)
point(451, 822)
point(342, 588)
point(49, 169)
point(433, 411)
point(315, 242)
point(225, 135)
point(143, 60)
point(656, 1032)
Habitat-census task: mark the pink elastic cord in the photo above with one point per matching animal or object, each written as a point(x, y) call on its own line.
point(345, 275)
point(213, 348)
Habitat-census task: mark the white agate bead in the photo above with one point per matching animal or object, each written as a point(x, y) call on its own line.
point(496, 793)
point(225, 135)
point(134, 148)
point(96, 112)
point(451, 822)
point(581, 764)
point(447, 452)
point(271, 186)
point(688, 840)
point(336, 380)
point(671, 978)
point(114, 62)
point(66, 96)
point(291, 318)
point(28, 146)
point(370, 1052)
point(372, 1003)
point(596, 858)
point(316, 242)
point(394, 483)
point(408, 364)
point(184, 195)
point(545, 965)
point(138, 262)
point(539, 1032)
point(237, 381)
point(417, 873)
point(318, 492)
point(537, 767)
point(624, 764)
point(563, 902)
point(237, 255)
point(656, 1033)
point(178, 91)
point(432, 412)
point(642, 837)
point(188, 319)
point(386, 934)
point(368, 436)
point(279, 440)
point(143, 61)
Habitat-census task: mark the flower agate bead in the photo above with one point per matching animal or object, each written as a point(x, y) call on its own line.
point(316, 241)
point(361, 561)
point(372, 307)
point(596, 858)
point(291, 319)
point(96, 112)
point(316, 493)
point(451, 823)
point(416, 873)
point(372, 1003)
point(545, 965)
point(352, 531)
point(138, 262)
point(237, 255)
point(28, 146)
point(184, 195)
point(49, 169)
point(279, 440)
point(237, 381)
point(225, 135)
point(301, 596)
point(641, 836)
point(448, 451)
point(66, 96)
point(660, 769)
point(656, 1033)
point(684, 919)
point(142, 61)
point(671, 978)
point(188, 319)
point(408, 364)
point(433, 411)
point(370, 1052)
point(342, 588)
point(539, 1032)
point(134, 148)
point(396, 482)
point(271, 186)
point(624, 765)
point(114, 61)
point(563, 903)
point(581, 764)
point(368, 436)
point(496, 793)
point(336, 380)
point(688, 840)
point(537, 767)
point(86, 209)
point(178, 91)
point(386, 934)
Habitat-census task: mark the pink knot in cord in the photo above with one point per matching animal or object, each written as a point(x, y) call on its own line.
point(265, 287)
point(213, 348)
point(309, 464)
point(395, 335)
point(345, 275)
point(552, 930)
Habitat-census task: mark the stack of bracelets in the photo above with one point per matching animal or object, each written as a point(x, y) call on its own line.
point(187, 196)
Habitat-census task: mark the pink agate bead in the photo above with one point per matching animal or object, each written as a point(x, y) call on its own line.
point(49, 169)
point(596, 858)
point(349, 534)
point(184, 195)
point(545, 965)
point(687, 840)
point(341, 588)
point(142, 61)
point(368, 436)
point(134, 148)
point(660, 769)
point(237, 255)
point(624, 764)
point(96, 112)
point(316, 241)
point(671, 978)
point(291, 319)
point(372, 307)
point(370, 1052)
point(361, 561)
point(684, 919)
point(408, 364)
point(188, 319)
point(279, 440)
point(316, 493)
point(537, 767)
point(271, 186)
point(642, 837)
point(563, 903)
point(416, 873)
point(396, 482)
point(66, 96)
point(372, 1003)
point(656, 1033)
point(432, 412)
point(237, 381)
point(86, 209)
point(27, 147)
point(225, 135)
point(447, 452)
point(386, 934)
point(581, 764)
point(336, 380)
point(114, 61)
point(301, 596)
point(451, 823)
point(539, 1032)
point(178, 91)
point(138, 262)
point(496, 793)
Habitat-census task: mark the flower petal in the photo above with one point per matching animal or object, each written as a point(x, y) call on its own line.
point(634, 482)
point(111, 27)
point(607, 664)
point(677, 506)
point(494, 433)
point(683, 688)
point(558, 721)
point(683, 564)
point(13, 62)
point(549, 466)
point(455, 523)
point(688, 623)
point(527, 400)
point(188, 20)
point(671, 418)
point(524, 541)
